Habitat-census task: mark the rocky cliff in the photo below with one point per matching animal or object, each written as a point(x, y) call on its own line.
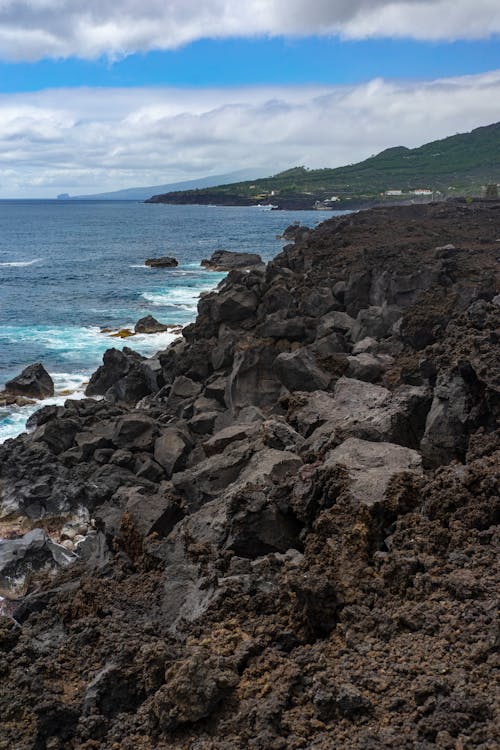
point(279, 532)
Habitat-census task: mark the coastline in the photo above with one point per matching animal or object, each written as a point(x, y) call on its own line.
point(298, 513)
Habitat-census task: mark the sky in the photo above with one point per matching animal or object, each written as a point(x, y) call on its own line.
point(102, 95)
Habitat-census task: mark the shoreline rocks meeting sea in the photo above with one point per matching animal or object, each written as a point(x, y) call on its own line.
point(281, 531)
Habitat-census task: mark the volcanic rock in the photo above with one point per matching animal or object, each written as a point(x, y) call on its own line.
point(149, 324)
point(226, 260)
point(34, 382)
point(164, 262)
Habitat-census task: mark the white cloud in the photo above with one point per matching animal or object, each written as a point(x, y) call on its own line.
point(32, 29)
point(93, 140)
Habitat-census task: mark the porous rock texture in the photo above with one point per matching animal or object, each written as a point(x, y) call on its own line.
point(288, 549)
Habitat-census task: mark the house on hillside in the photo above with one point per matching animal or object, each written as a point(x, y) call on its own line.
point(422, 191)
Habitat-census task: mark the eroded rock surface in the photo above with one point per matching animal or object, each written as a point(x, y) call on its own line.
point(282, 529)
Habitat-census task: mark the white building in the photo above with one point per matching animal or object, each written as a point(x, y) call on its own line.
point(394, 192)
point(422, 191)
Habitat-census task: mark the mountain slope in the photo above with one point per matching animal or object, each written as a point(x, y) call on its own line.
point(458, 165)
point(142, 193)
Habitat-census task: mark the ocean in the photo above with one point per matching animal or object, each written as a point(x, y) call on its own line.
point(70, 268)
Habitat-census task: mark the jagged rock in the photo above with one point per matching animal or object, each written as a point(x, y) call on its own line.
point(372, 466)
point(34, 381)
point(151, 514)
point(184, 387)
point(193, 688)
point(445, 436)
point(277, 299)
point(58, 434)
point(280, 435)
point(259, 527)
point(204, 422)
point(363, 410)
point(146, 468)
point(252, 381)
point(335, 322)
point(210, 477)
point(164, 262)
point(134, 431)
point(22, 557)
point(270, 466)
point(148, 324)
point(298, 371)
point(292, 329)
point(332, 343)
point(294, 231)
point(219, 442)
point(121, 378)
point(111, 691)
point(216, 389)
point(233, 304)
point(171, 450)
point(115, 365)
point(225, 260)
point(365, 367)
point(319, 301)
point(375, 322)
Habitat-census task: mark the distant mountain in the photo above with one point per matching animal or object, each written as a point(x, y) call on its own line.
point(142, 193)
point(459, 165)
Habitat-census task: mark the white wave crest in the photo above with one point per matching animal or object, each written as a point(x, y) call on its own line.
point(19, 263)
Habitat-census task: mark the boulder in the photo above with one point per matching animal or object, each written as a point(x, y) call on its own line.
point(31, 553)
point(151, 514)
point(171, 450)
point(319, 301)
point(375, 322)
point(334, 322)
point(121, 378)
point(277, 433)
point(225, 260)
point(184, 387)
point(362, 410)
point(445, 436)
point(365, 366)
point(270, 466)
point(134, 431)
point(212, 476)
point(372, 466)
point(58, 434)
point(298, 371)
point(203, 422)
point(148, 324)
point(34, 381)
point(252, 381)
point(219, 442)
point(292, 329)
point(164, 262)
point(332, 343)
point(233, 304)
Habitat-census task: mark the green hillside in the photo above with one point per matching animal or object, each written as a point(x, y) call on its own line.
point(459, 165)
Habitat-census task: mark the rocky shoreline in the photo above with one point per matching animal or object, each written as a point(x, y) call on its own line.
point(284, 522)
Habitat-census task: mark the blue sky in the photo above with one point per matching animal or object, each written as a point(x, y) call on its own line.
point(233, 62)
point(105, 95)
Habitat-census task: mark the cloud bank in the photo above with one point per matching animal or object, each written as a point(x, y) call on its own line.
point(33, 29)
point(93, 140)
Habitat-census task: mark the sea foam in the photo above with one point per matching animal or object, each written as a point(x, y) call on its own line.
point(19, 263)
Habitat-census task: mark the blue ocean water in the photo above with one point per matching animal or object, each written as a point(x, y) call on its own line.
point(68, 269)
